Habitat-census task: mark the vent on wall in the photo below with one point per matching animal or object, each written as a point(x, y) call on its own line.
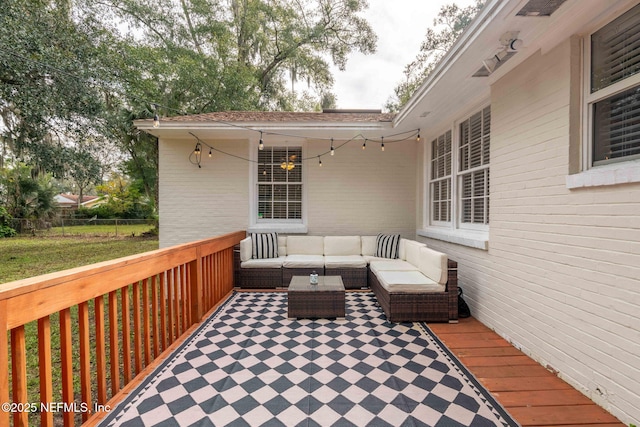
point(540, 7)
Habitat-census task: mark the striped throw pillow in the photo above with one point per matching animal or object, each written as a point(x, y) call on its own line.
point(387, 245)
point(264, 245)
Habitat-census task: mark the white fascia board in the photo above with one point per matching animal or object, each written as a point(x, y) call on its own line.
point(485, 18)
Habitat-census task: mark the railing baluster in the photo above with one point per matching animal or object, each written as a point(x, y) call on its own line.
point(101, 357)
point(126, 334)
point(19, 374)
point(114, 353)
point(44, 358)
point(186, 302)
point(85, 357)
point(66, 361)
point(164, 287)
point(146, 322)
point(176, 302)
point(170, 297)
point(155, 314)
point(137, 330)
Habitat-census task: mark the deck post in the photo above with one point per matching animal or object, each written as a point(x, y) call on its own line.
point(4, 363)
point(195, 287)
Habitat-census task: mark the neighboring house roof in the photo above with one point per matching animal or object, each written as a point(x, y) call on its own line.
point(71, 200)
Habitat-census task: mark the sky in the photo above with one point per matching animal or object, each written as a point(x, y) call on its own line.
point(369, 80)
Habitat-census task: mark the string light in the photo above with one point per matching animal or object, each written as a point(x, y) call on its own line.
point(261, 143)
point(156, 118)
point(418, 137)
point(210, 153)
point(333, 151)
point(382, 146)
point(364, 144)
point(319, 161)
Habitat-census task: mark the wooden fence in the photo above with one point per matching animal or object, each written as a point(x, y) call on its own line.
point(115, 321)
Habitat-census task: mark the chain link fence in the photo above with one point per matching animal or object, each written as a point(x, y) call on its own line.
point(90, 227)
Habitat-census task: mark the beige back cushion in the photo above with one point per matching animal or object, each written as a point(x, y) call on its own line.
point(305, 245)
point(245, 249)
point(412, 252)
point(342, 245)
point(368, 245)
point(433, 264)
point(282, 245)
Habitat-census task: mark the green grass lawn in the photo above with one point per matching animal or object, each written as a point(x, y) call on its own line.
point(22, 257)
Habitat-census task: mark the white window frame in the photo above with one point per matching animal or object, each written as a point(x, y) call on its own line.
point(290, 226)
point(619, 171)
point(467, 234)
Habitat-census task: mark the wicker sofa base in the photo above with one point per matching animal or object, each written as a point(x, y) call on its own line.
point(419, 307)
point(353, 278)
point(260, 278)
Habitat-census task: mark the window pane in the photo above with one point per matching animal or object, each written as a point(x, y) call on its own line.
point(616, 126)
point(279, 172)
point(615, 50)
point(475, 140)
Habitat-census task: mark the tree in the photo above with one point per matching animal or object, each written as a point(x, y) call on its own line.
point(47, 71)
point(447, 27)
point(83, 168)
point(26, 195)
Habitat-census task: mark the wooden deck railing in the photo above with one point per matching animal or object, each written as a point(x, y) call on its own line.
point(100, 326)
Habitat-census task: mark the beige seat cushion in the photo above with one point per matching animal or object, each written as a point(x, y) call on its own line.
point(391, 265)
point(345, 261)
point(368, 244)
point(408, 281)
point(304, 261)
point(263, 263)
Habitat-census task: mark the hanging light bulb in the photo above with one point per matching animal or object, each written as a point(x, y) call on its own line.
point(261, 143)
point(364, 144)
point(197, 150)
point(210, 153)
point(382, 146)
point(418, 137)
point(333, 151)
point(319, 161)
point(156, 118)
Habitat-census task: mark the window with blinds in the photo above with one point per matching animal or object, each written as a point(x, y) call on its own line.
point(473, 168)
point(615, 58)
point(440, 182)
point(280, 183)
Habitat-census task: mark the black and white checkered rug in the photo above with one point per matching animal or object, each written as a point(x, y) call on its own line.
point(248, 365)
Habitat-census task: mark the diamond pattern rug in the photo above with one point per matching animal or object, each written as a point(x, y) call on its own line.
point(248, 365)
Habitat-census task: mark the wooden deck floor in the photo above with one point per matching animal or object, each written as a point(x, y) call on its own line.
point(530, 393)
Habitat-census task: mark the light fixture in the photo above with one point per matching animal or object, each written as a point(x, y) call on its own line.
point(261, 143)
point(198, 149)
point(382, 146)
point(333, 151)
point(156, 118)
point(210, 153)
point(364, 144)
point(319, 161)
point(287, 166)
point(418, 137)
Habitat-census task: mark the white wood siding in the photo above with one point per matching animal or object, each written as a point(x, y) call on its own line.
point(561, 277)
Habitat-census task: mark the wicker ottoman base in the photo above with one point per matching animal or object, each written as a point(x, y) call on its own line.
point(324, 300)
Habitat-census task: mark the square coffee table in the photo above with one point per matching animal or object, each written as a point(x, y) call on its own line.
point(324, 300)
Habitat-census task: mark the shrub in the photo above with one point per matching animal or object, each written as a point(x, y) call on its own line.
point(5, 220)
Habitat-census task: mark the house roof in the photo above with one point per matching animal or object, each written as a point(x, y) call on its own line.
point(338, 116)
point(72, 199)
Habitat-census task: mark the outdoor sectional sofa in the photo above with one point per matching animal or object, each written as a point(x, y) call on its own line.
point(415, 283)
